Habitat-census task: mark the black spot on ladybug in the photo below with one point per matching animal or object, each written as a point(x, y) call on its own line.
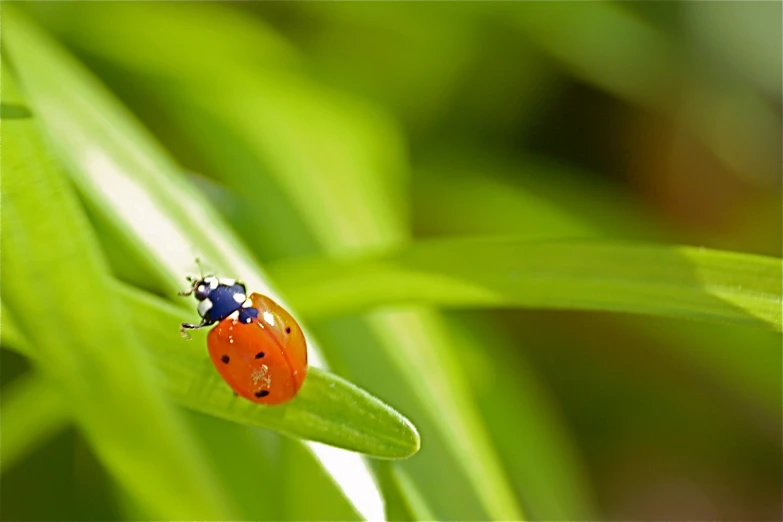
point(262, 393)
point(260, 355)
point(287, 329)
point(225, 359)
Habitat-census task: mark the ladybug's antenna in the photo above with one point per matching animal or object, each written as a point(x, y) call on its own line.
point(192, 280)
point(200, 267)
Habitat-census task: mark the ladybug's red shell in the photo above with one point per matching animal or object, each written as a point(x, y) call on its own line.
point(265, 360)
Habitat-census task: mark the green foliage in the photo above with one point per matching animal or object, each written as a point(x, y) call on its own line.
point(119, 408)
point(669, 281)
point(326, 144)
point(328, 409)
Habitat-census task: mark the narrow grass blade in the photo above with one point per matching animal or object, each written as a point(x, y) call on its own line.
point(10, 334)
point(328, 409)
point(403, 499)
point(33, 412)
point(502, 207)
point(47, 245)
point(551, 481)
point(684, 282)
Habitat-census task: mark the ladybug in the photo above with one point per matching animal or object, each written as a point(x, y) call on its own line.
point(256, 347)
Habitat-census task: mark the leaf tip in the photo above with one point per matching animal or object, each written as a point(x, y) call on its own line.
point(412, 439)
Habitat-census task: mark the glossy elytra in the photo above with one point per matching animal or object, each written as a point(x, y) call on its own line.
point(257, 347)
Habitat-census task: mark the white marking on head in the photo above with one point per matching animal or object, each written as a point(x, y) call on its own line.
point(240, 298)
point(228, 282)
point(204, 307)
point(212, 282)
point(269, 318)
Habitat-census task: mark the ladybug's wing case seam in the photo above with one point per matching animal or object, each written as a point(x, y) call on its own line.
point(282, 349)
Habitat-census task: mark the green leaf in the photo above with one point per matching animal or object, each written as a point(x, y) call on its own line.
point(245, 44)
point(403, 500)
point(47, 246)
point(33, 411)
point(10, 334)
point(640, 69)
point(536, 200)
point(327, 409)
point(300, 475)
point(528, 197)
point(551, 481)
point(685, 282)
point(723, 29)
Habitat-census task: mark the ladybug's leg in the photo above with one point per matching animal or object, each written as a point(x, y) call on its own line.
point(184, 327)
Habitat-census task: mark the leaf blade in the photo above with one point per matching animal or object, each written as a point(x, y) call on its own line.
point(33, 412)
point(112, 392)
point(327, 409)
point(669, 281)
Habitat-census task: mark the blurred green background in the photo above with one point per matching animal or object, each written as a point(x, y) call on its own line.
point(337, 129)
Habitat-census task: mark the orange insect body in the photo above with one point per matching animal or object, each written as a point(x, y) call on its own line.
point(257, 347)
point(264, 360)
